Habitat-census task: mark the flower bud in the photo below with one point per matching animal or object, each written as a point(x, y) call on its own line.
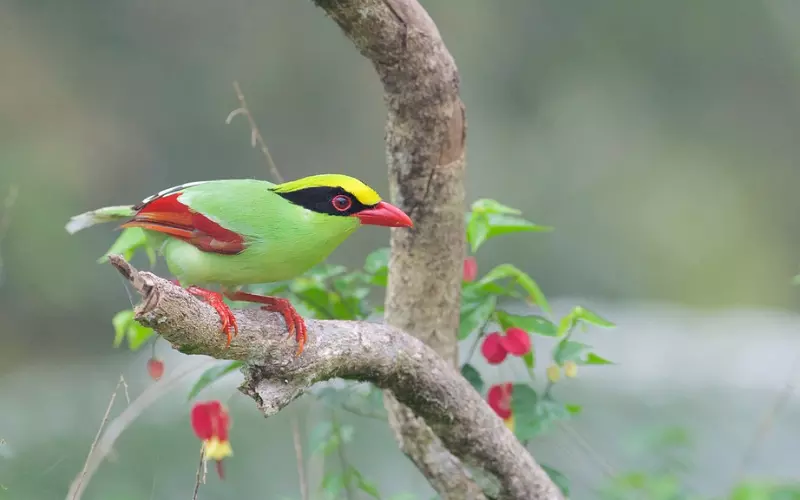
point(553, 373)
point(517, 341)
point(493, 348)
point(470, 269)
point(155, 368)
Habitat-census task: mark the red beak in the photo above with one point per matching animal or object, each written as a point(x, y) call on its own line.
point(384, 214)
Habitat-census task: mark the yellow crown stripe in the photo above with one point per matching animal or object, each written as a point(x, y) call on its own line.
point(361, 191)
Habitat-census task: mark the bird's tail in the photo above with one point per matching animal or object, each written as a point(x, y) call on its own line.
point(99, 216)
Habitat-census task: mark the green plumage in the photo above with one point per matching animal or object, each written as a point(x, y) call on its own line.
point(282, 239)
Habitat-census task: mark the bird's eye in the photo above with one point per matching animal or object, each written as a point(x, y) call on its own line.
point(341, 202)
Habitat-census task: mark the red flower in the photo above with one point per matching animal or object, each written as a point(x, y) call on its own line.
point(470, 269)
point(496, 346)
point(499, 399)
point(516, 341)
point(155, 368)
point(493, 349)
point(211, 422)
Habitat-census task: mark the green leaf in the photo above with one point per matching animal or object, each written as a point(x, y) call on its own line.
point(470, 373)
point(530, 360)
point(333, 483)
point(531, 423)
point(376, 267)
point(591, 317)
point(568, 350)
point(318, 301)
point(346, 433)
point(527, 283)
point(523, 400)
point(489, 206)
point(573, 409)
point(474, 318)
point(489, 219)
point(531, 323)
point(580, 313)
point(557, 477)
point(594, 359)
point(211, 375)
point(320, 437)
point(138, 334)
point(477, 231)
point(500, 224)
point(121, 321)
point(129, 240)
point(363, 484)
point(377, 260)
point(125, 326)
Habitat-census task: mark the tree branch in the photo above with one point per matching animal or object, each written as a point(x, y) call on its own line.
point(425, 136)
point(381, 354)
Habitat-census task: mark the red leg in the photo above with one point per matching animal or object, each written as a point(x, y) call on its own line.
point(215, 300)
point(294, 322)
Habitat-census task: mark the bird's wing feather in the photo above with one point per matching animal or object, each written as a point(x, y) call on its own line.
point(165, 213)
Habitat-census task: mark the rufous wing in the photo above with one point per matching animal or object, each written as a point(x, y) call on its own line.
point(167, 215)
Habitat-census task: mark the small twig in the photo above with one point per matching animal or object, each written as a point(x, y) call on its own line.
point(123, 421)
point(125, 389)
point(200, 478)
point(768, 418)
point(481, 333)
point(337, 429)
point(97, 436)
point(548, 387)
point(597, 457)
point(255, 134)
point(298, 449)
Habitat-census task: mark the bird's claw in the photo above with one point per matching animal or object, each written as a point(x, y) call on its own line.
point(294, 322)
point(226, 316)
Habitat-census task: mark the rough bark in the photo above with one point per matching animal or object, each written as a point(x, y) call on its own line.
point(381, 354)
point(425, 139)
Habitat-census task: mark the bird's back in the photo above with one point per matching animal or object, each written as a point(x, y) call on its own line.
point(282, 239)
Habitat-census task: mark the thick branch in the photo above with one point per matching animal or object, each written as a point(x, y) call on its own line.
point(377, 353)
point(425, 135)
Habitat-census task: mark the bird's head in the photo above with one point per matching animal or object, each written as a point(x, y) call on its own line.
point(342, 195)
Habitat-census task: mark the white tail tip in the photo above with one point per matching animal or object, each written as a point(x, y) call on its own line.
point(79, 222)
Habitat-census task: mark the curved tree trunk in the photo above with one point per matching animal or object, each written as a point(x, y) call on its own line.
point(425, 149)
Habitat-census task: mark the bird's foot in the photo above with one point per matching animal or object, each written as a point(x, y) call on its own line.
point(294, 322)
point(215, 300)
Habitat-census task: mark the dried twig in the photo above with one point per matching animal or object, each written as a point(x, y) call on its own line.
point(82, 475)
point(255, 134)
point(768, 419)
point(298, 449)
point(104, 445)
point(201, 477)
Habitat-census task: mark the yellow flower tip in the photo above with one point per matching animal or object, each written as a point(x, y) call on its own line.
point(510, 422)
point(571, 369)
point(216, 449)
point(553, 373)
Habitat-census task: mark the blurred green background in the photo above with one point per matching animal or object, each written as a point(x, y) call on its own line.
point(660, 139)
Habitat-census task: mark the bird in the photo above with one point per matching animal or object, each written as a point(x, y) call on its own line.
point(234, 232)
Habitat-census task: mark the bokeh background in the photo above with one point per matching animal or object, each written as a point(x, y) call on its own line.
point(660, 139)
